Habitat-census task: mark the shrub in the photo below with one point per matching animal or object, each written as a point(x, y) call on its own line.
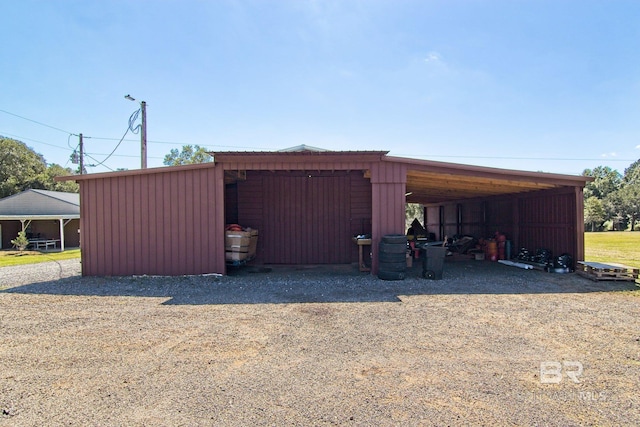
point(21, 242)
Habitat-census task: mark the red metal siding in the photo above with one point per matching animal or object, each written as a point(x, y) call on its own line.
point(548, 221)
point(304, 217)
point(472, 219)
point(388, 182)
point(167, 223)
point(499, 216)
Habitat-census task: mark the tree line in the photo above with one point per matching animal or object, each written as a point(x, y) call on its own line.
point(612, 199)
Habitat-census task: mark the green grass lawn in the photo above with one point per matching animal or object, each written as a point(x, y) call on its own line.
point(31, 257)
point(622, 247)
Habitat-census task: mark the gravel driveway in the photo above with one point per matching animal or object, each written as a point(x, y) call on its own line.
point(318, 346)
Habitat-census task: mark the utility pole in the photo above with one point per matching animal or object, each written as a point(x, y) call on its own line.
point(143, 132)
point(81, 155)
point(143, 135)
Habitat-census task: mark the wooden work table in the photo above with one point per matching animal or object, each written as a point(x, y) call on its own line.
point(361, 243)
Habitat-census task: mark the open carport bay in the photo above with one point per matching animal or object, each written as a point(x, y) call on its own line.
point(316, 346)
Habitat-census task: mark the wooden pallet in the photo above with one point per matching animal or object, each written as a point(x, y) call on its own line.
point(601, 271)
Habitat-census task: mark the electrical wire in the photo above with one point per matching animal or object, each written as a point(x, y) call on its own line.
point(132, 120)
point(21, 138)
point(98, 164)
point(37, 122)
point(114, 150)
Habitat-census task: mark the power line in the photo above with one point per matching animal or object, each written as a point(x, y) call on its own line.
point(98, 164)
point(37, 122)
point(176, 143)
point(114, 150)
point(33, 140)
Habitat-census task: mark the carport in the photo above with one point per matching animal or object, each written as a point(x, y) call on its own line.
point(307, 205)
point(43, 215)
point(535, 209)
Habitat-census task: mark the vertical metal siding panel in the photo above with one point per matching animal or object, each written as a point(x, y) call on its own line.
point(88, 227)
point(388, 213)
point(189, 234)
point(142, 243)
point(293, 217)
point(578, 218)
point(180, 222)
point(162, 194)
point(196, 228)
point(174, 226)
point(114, 229)
point(327, 223)
point(110, 197)
point(158, 207)
point(152, 224)
point(293, 213)
point(344, 230)
point(119, 223)
point(217, 233)
point(205, 198)
point(211, 243)
point(132, 232)
point(206, 242)
point(121, 242)
point(85, 220)
point(141, 208)
point(188, 221)
point(360, 209)
point(191, 224)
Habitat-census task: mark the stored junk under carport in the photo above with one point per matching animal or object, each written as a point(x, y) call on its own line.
point(307, 205)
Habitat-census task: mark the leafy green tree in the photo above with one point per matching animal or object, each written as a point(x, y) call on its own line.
point(189, 155)
point(594, 213)
point(21, 168)
point(630, 192)
point(55, 170)
point(615, 210)
point(413, 211)
point(606, 181)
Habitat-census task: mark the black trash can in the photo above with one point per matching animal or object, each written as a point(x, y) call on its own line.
point(433, 262)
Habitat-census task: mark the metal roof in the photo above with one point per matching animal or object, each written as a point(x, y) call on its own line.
point(427, 181)
point(40, 204)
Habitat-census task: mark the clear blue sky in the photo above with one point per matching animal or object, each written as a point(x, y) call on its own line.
point(533, 85)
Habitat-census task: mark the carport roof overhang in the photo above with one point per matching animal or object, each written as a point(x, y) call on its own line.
point(431, 182)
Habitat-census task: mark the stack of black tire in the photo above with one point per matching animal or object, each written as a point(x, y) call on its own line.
point(392, 257)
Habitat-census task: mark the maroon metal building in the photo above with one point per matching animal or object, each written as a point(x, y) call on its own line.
point(307, 205)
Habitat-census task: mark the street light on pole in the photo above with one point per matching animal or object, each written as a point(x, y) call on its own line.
point(143, 132)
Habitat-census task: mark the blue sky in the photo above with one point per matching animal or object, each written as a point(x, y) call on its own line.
point(535, 85)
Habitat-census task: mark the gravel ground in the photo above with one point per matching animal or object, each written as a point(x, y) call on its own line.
point(317, 346)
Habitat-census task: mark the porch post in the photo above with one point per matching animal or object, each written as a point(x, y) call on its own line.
point(61, 235)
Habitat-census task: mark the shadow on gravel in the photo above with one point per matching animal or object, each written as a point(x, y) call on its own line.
point(323, 284)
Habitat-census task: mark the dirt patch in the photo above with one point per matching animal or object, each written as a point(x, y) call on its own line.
point(318, 346)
